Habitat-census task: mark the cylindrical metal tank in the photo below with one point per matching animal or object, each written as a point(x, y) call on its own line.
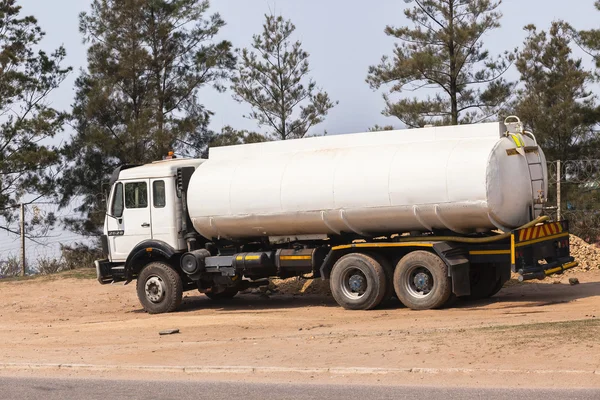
point(462, 178)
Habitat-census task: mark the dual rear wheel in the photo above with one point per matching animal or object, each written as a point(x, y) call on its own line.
point(362, 281)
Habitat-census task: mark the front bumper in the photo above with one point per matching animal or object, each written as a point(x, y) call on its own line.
point(103, 271)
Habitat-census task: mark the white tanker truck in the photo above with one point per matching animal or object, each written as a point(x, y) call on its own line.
point(425, 214)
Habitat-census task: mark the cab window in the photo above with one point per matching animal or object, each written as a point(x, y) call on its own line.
point(159, 198)
point(136, 195)
point(117, 202)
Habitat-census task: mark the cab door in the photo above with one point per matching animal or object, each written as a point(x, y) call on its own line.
point(166, 227)
point(129, 222)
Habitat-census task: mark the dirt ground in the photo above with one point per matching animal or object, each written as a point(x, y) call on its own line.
point(530, 326)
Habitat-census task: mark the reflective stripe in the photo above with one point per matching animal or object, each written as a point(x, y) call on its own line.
point(348, 246)
point(518, 140)
point(512, 250)
point(533, 241)
point(290, 258)
point(488, 252)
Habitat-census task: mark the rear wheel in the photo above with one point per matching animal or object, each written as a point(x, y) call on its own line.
point(388, 268)
point(228, 293)
point(484, 282)
point(358, 282)
point(421, 281)
point(159, 288)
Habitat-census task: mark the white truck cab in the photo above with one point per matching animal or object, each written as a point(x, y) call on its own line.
point(144, 206)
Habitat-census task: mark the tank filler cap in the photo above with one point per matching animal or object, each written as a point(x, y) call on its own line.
point(513, 125)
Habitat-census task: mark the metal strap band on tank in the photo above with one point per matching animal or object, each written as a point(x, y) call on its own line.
point(420, 220)
point(328, 224)
point(345, 220)
point(438, 214)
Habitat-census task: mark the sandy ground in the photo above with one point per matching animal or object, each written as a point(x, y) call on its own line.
point(532, 326)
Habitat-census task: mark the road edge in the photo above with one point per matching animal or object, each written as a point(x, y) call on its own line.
point(267, 370)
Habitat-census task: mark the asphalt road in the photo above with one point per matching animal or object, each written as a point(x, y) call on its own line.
point(71, 389)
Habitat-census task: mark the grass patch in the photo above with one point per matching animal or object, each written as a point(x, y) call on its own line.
point(572, 324)
point(80, 273)
point(540, 332)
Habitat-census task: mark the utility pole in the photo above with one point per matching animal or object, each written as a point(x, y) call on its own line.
point(23, 266)
point(558, 179)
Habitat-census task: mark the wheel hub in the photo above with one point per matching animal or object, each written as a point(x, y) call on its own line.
point(419, 282)
point(422, 282)
point(155, 289)
point(357, 283)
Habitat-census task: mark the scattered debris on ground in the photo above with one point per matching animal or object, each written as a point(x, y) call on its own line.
point(299, 286)
point(573, 281)
point(169, 332)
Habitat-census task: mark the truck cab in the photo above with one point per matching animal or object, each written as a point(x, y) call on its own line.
point(144, 208)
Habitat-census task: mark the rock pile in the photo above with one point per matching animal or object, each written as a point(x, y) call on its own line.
point(587, 255)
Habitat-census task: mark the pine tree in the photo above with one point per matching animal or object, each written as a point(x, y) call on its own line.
point(273, 79)
point(28, 162)
point(139, 98)
point(443, 56)
point(590, 40)
point(555, 100)
point(230, 137)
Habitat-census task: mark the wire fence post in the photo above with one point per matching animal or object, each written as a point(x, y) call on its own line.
point(558, 179)
point(23, 266)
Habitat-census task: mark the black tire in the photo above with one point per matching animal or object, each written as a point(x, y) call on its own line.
point(358, 282)
point(159, 288)
point(388, 268)
point(421, 281)
point(484, 282)
point(228, 293)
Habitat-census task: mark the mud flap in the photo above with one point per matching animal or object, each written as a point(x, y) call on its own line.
point(456, 259)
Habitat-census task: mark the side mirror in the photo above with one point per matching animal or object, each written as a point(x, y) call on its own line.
point(119, 219)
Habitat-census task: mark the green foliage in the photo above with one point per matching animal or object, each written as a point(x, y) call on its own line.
point(377, 128)
point(230, 137)
point(139, 98)
point(10, 267)
point(590, 40)
point(555, 100)
point(78, 255)
point(272, 78)
point(28, 164)
point(443, 55)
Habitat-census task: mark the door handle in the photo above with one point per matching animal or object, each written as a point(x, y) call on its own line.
point(145, 225)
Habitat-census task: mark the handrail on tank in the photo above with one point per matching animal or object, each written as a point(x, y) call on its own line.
point(517, 125)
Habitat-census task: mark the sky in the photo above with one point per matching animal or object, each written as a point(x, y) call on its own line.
point(343, 37)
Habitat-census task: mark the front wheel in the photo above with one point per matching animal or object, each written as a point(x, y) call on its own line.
point(358, 282)
point(421, 281)
point(159, 288)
